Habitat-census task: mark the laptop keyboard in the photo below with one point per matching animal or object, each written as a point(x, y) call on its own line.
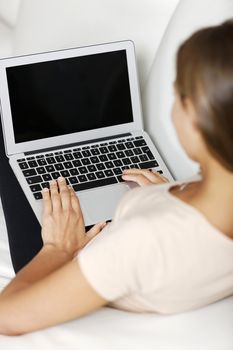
point(88, 166)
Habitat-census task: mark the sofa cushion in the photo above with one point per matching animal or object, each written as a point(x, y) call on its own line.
point(158, 97)
point(9, 11)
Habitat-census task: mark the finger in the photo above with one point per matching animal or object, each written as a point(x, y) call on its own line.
point(160, 176)
point(95, 230)
point(74, 200)
point(64, 193)
point(140, 179)
point(47, 205)
point(55, 197)
point(152, 176)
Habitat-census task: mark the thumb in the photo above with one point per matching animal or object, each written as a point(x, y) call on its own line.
point(95, 230)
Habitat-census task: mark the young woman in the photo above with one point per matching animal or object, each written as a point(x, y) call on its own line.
point(169, 248)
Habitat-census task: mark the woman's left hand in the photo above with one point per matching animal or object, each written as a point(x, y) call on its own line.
point(62, 223)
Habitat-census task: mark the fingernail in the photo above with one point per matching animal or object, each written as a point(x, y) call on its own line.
point(52, 182)
point(45, 189)
point(61, 179)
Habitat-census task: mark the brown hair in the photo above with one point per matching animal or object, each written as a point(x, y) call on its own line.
point(205, 75)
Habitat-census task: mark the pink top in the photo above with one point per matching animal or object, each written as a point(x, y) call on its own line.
point(159, 255)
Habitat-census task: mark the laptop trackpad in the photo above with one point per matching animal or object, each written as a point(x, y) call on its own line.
point(100, 204)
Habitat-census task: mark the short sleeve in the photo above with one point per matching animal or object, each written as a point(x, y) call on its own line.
point(116, 261)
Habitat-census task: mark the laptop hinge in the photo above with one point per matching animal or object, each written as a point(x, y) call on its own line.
point(77, 144)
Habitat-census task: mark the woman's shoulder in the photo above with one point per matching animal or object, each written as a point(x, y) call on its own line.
point(149, 200)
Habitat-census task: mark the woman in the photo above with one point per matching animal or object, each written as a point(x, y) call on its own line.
point(170, 247)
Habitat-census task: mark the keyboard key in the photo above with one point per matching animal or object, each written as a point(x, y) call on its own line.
point(29, 172)
point(74, 172)
point(60, 159)
point(82, 178)
point(118, 163)
point(108, 173)
point(34, 179)
point(137, 151)
point(37, 195)
point(59, 166)
point(112, 156)
point(67, 151)
point(112, 148)
point(47, 177)
point(103, 150)
point(45, 184)
point(86, 147)
point(65, 173)
point(120, 154)
point(100, 166)
point(92, 168)
point(94, 159)
point(51, 160)
point(148, 165)
point(103, 158)
point(41, 170)
point(49, 154)
point(83, 170)
point(73, 180)
point(41, 162)
point(138, 137)
point(35, 188)
point(100, 174)
point(21, 160)
point(95, 152)
point(148, 152)
point(50, 168)
point(76, 163)
point(143, 158)
point(32, 164)
point(120, 146)
point(86, 161)
point(68, 165)
point(96, 183)
point(77, 155)
point(109, 165)
point(126, 161)
point(69, 156)
point(129, 145)
point(160, 172)
point(119, 178)
point(117, 171)
point(135, 159)
point(58, 153)
point(91, 176)
point(129, 153)
point(55, 175)
point(40, 156)
point(86, 154)
point(139, 143)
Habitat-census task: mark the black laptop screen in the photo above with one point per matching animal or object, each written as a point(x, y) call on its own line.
point(64, 96)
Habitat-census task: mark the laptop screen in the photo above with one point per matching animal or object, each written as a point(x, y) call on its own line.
point(64, 96)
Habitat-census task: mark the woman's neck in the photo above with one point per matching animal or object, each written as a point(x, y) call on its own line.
point(213, 196)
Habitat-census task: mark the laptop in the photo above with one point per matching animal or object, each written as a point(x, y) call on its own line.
point(76, 113)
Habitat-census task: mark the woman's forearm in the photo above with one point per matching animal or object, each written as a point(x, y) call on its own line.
point(45, 262)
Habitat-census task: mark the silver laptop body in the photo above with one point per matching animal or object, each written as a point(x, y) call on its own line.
point(76, 113)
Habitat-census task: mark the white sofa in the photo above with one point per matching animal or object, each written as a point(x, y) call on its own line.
point(28, 26)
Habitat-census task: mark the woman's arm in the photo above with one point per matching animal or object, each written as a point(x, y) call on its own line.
point(52, 289)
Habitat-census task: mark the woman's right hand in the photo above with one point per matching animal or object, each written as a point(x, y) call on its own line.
point(143, 177)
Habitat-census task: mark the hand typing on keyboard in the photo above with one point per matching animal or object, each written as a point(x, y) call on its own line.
point(62, 225)
point(143, 177)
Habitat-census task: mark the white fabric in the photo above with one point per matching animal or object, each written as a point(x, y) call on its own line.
point(9, 11)
point(189, 16)
point(159, 255)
